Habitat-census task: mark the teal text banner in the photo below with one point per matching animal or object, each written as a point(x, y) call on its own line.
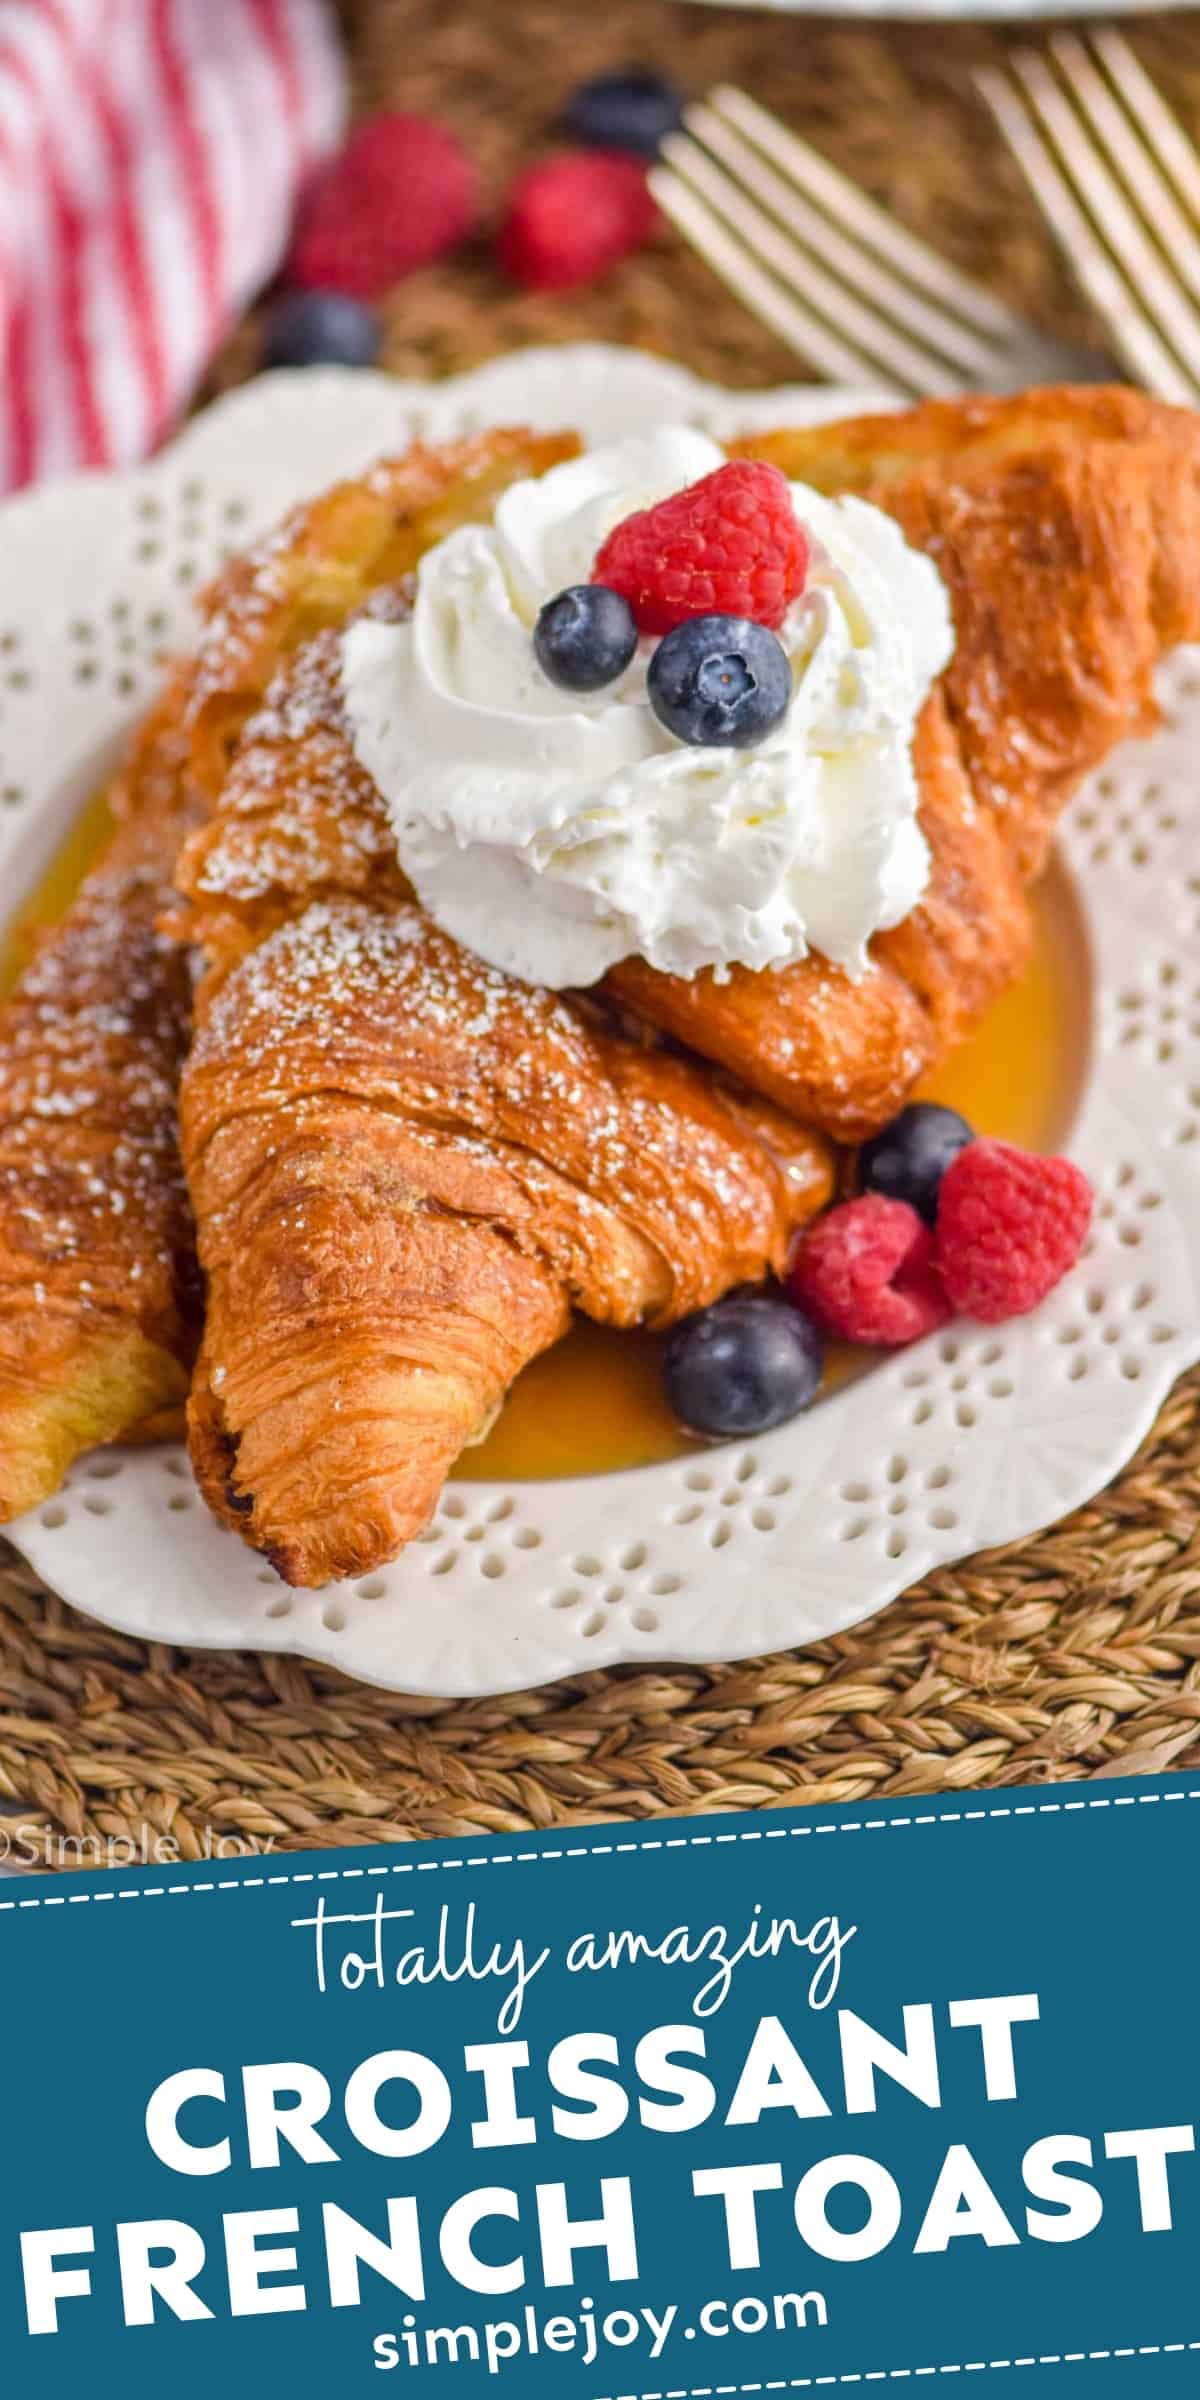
point(784, 2103)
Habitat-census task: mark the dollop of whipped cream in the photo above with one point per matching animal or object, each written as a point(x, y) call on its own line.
point(556, 832)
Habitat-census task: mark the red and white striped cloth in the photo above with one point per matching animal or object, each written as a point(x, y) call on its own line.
point(150, 156)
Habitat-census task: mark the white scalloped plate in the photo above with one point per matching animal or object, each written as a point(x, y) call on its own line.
point(978, 1437)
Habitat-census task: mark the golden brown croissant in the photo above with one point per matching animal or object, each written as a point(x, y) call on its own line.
point(843, 1052)
point(1062, 523)
point(407, 1168)
point(98, 1284)
point(333, 1092)
point(98, 1290)
point(1065, 525)
point(325, 559)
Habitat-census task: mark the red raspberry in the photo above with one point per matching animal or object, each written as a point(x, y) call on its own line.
point(1008, 1227)
point(572, 217)
point(728, 546)
point(866, 1273)
point(401, 191)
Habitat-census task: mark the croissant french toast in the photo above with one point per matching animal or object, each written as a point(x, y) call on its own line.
point(99, 1293)
point(408, 1168)
point(397, 1206)
point(325, 559)
point(845, 1052)
point(1066, 527)
point(1063, 525)
point(98, 1290)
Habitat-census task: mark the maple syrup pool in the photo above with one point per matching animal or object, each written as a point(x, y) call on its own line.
point(595, 1404)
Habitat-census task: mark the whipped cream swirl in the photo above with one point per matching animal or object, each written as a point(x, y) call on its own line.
point(558, 832)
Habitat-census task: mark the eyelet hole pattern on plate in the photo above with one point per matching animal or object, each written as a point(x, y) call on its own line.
point(897, 1506)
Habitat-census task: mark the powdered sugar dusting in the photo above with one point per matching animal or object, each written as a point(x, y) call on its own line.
point(90, 1175)
point(297, 813)
point(372, 1003)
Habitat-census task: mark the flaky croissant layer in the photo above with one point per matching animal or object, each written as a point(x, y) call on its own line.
point(408, 1169)
point(99, 1298)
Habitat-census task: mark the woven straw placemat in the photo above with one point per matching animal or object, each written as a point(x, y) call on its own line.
point(1075, 1654)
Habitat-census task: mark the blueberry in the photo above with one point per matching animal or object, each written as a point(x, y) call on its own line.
point(745, 1364)
point(720, 682)
point(909, 1158)
point(585, 637)
point(631, 110)
point(315, 329)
